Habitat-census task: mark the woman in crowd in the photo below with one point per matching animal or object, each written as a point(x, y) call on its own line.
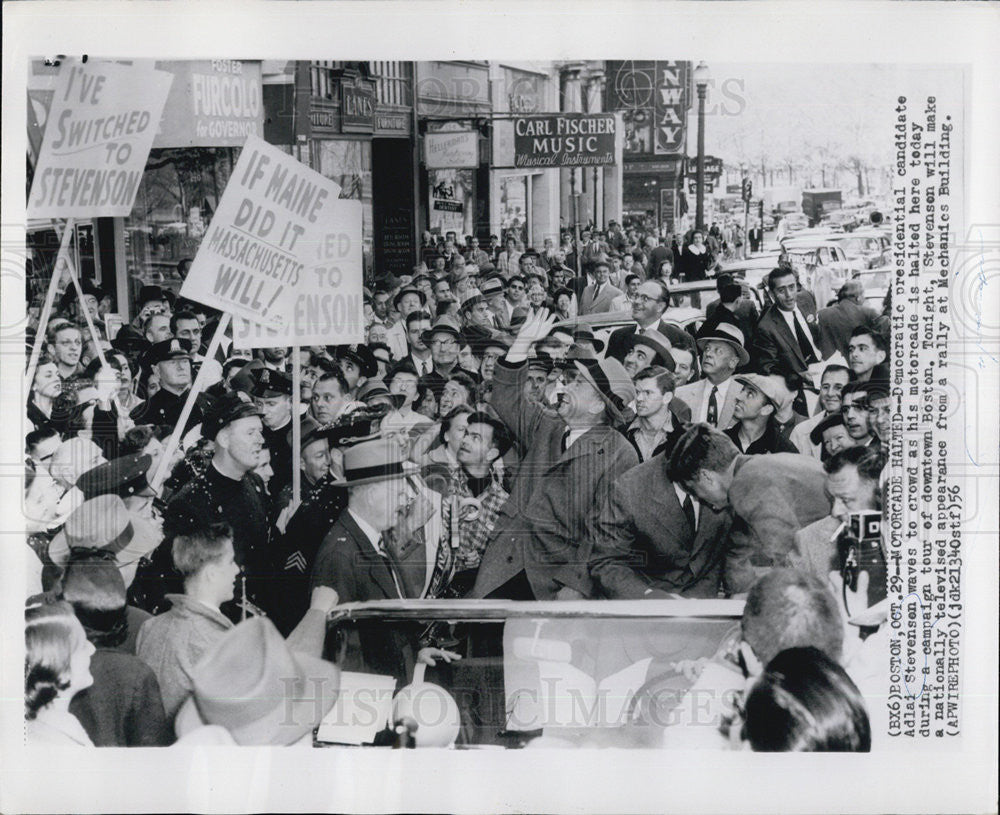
point(805, 702)
point(45, 388)
point(56, 668)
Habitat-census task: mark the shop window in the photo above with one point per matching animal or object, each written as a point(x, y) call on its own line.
point(514, 217)
point(348, 162)
point(452, 201)
point(179, 192)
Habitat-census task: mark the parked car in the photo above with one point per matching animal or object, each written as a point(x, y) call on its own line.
point(569, 674)
point(868, 247)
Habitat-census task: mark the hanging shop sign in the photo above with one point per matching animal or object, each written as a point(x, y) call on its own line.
point(97, 138)
point(564, 140)
point(448, 150)
point(670, 105)
point(282, 250)
point(213, 103)
point(357, 105)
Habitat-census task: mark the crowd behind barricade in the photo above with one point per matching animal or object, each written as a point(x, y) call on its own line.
point(485, 441)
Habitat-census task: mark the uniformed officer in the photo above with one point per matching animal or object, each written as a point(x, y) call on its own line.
point(171, 360)
point(272, 394)
point(228, 490)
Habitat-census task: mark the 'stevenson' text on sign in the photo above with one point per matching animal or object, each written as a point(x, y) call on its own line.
point(268, 242)
point(99, 131)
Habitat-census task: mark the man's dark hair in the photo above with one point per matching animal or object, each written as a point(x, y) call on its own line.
point(442, 307)
point(835, 369)
point(787, 608)
point(777, 273)
point(336, 375)
point(869, 462)
point(630, 277)
point(855, 387)
point(403, 367)
point(136, 438)
point(413, 316)
point(700, 448)
point(176, 317)
point(502, 439)
point(664, 379)
point(34, 437)
point(877, 337)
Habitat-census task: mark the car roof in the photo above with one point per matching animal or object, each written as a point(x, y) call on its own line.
point(807, 243)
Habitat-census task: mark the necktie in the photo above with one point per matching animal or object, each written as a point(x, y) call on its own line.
point(390, 561)
point(688, 507)
point(804, 345)
point(712, 417)
point(564, 444)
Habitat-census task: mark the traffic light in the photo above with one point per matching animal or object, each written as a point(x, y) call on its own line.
point(747, 189)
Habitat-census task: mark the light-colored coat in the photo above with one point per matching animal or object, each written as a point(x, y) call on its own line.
point(697, 393)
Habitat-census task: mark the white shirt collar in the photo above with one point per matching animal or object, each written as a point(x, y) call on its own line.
point(370, 531)
point(795, 315)
point(720, 398)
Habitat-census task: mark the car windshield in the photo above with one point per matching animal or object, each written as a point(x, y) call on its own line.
point(612, 674)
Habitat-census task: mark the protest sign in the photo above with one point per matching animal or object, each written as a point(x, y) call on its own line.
point(100, 128)
point(327, 305)
point(277, 251)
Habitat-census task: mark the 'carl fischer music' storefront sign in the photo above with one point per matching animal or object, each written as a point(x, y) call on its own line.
point(564, 140)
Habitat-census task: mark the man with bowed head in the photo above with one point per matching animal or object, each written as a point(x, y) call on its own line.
point(771, 497)
point(538, 549)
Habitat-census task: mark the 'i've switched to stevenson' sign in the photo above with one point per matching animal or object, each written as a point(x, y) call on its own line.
point(564, 140)
point(100, 127)
point(274, 253)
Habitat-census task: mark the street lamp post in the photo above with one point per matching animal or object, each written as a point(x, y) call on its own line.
point(701, 84)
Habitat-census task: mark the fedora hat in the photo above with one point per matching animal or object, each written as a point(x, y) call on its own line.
point(587, 334)
point(729, 333)
point(409, 290)
point(376, 387)
point(443, 324)
point(105, 523)
point(611, 381)
point(660, 346)
point(374, 460)
point(253, 685)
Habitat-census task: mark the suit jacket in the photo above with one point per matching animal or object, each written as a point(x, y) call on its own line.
point(347, 562)
point(620, 340)
point(814, 550)
point(696, 393)
point(775, 346)
point(605, 299)
point(542, 528)
point(772, 497)
point(643, 540)
point(837, 322)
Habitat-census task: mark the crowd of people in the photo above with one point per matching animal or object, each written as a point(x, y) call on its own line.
point(483, 442)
